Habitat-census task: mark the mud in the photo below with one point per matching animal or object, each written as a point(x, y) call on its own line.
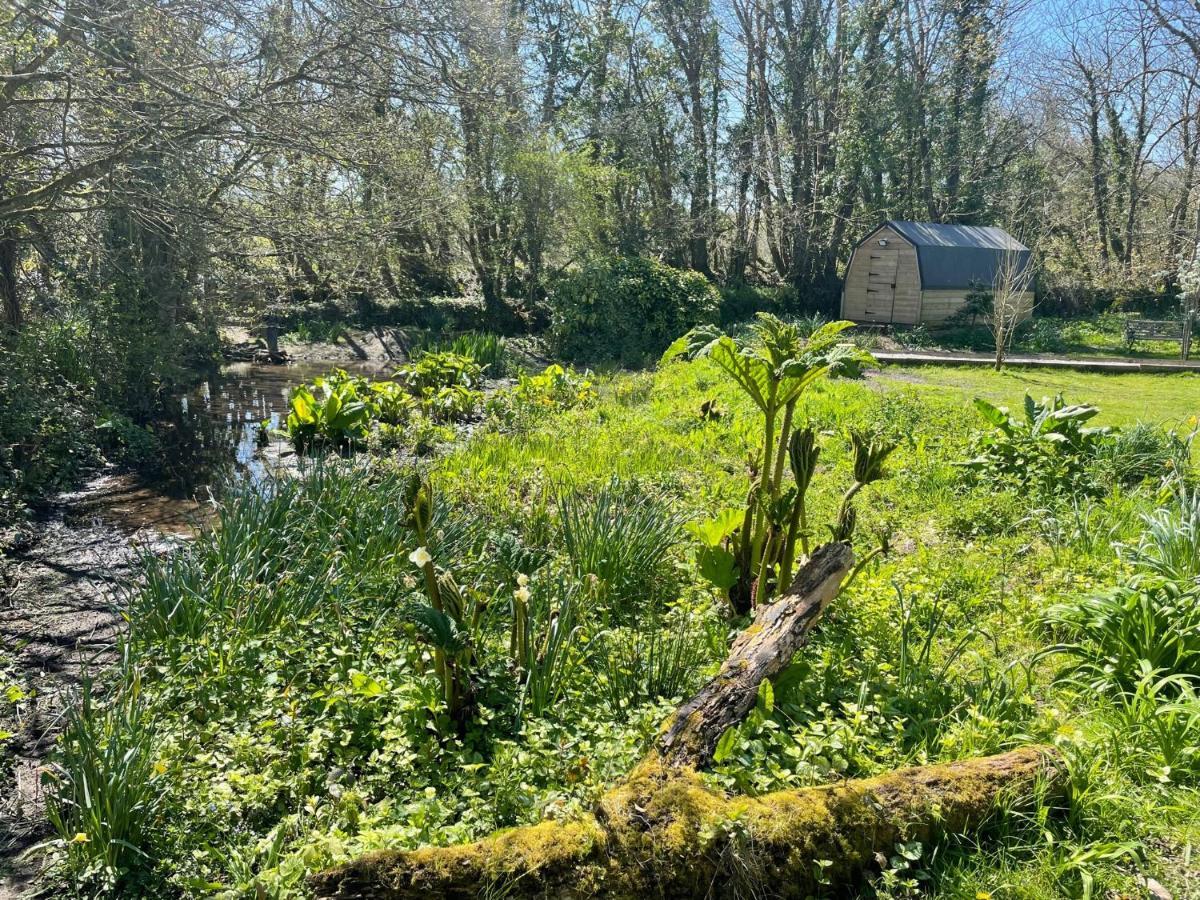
point(62, 583)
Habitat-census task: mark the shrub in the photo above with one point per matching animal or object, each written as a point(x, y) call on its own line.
point(1046, 336)
point(1050, 448)
point(627, 309)
point(47, 410)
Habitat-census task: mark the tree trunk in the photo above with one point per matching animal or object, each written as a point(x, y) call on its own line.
point(664, 833)
point(760, 652)
point(10, 297)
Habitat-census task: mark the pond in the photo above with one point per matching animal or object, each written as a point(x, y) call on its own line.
point(217, 436)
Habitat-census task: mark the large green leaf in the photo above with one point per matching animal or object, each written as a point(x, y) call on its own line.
point(713, 531)
point(717, 566)
point(750, 372)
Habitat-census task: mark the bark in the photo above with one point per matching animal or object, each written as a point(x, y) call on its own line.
point(10, 298)
point(664, 833)
point(760, 652)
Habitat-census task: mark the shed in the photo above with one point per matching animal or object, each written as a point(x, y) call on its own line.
point(910, 272)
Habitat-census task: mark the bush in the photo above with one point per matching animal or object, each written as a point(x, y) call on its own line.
point(1046, 336)
point(1142, 452)
point(628, 309)
point(1050, 449)
point(48, 408)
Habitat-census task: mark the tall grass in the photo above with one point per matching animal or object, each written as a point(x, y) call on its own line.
point(1170, 545)
point(489, 350)
point(621, 537)
point(658, 660)
point(553, 655)
point(271, 561)
point(105, 801)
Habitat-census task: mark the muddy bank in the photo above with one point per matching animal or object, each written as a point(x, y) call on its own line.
point(63, 578)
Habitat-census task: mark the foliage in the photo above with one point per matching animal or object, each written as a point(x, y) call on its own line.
point(1142, 452)
point(288, 667)
point(434, 369)
point(1120, 634)
point(105, 797)
point(346, 412)
point(331, 413)
point(1170, 544)
point(488, 350)
point(773, 367)
point(627, 309)
point(554, 389)
point(1050, 449)
point(620, 537)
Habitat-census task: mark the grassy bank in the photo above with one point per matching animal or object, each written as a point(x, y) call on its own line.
point(281, 708)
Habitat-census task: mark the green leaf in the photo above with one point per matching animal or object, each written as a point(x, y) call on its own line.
point(995, 415)
point(712, 531)
point(766, 698)
point(725, 745)
point(718, 566)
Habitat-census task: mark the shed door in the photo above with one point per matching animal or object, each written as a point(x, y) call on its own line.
point(881, 286)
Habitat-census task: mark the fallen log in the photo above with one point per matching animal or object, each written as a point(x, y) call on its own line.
point(760, 652)
point(663, 833)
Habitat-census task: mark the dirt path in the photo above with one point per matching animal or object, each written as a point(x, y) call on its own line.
point(61, 589)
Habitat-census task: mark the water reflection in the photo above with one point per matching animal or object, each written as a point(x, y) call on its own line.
point(245, 397)
point(214, 437)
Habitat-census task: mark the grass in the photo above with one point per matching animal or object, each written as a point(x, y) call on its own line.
point(298, 722)
point(1168, 399)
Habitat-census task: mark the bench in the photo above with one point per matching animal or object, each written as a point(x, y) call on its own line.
point(1176, 330)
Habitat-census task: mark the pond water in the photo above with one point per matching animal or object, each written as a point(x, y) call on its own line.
point(245, 397)
point(221, 420)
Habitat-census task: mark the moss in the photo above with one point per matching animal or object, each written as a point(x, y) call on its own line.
point(662, 832)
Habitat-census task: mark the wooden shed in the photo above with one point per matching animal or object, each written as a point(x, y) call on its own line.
point(910, 272)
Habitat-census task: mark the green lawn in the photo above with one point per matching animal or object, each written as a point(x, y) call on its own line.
point(1123, 398)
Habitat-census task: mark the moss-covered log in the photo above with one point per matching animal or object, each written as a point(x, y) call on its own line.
point(664, 834)
point(760, 652)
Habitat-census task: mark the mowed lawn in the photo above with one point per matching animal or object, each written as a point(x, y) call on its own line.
point(1168, 399)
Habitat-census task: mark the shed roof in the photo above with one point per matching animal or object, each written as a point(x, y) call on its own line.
point(959, 256)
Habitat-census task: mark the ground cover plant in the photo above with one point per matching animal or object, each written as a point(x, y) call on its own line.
point(297, 680)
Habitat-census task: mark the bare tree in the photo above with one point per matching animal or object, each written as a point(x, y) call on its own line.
point(1011, 303)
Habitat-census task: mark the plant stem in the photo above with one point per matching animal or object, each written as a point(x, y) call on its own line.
point(781, 454)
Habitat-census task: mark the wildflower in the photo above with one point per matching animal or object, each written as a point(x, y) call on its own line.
point(983, 895)
point(420, 557)
point(522, 579)
point(522, 594)
point(81, 838)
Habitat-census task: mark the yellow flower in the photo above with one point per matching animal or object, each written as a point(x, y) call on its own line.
point(80, 838)
point(983, 895)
